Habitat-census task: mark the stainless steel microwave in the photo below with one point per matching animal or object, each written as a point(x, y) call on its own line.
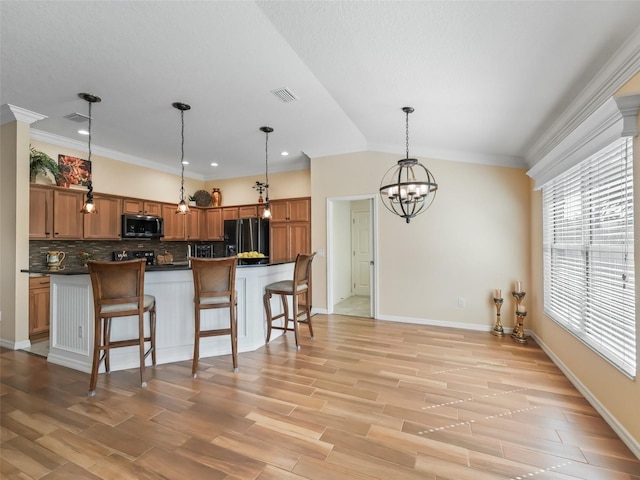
point(141, 226)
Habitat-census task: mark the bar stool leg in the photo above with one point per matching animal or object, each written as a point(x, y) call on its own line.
point(267, 307)
point(295, 319)
point(106, 338)
point(141, 343)
point(96, 355)
point(234, 338)
point(285, 309)
point(307, 304)
point(152, 333)
point(196, 346)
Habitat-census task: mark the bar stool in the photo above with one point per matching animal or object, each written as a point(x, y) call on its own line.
point(118, 291)
point(214, 281)
point(301, 285)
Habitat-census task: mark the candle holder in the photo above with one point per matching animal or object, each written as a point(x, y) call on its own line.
point(518, 296)
point(498, 330)
point(520, 337)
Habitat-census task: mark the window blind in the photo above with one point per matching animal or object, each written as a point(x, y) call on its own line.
point(589, 279)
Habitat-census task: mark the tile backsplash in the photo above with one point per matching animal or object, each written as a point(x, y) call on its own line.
point(103, 250)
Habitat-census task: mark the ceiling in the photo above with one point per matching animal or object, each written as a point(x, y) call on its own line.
point(486, 79)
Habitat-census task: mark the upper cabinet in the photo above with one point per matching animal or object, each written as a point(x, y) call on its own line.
point(174, 224)
point(105, 224)
point(67, 218)
point(141, 207)
point(291, 210)
point(213, 223)
point(40, 212)
point(229, 213)
point(194, 224)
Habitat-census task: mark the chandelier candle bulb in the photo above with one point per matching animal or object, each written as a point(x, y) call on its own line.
point(498, 293)
point(518, 287)
point(521, 308)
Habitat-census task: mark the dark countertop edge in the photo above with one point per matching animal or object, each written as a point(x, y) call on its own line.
point(149, 268)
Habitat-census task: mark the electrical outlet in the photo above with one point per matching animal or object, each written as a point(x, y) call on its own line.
point(321, 253)
point(80, 331)
point(462, 302)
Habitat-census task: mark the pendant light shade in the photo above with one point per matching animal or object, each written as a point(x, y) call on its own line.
point(267, 208)
point(89, 205)
point(408, 188)
point(183, 207)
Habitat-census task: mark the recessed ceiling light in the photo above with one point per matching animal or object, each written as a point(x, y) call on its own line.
point(184, 162)
point(214, 164)
point(83, 132)
point(284, 154)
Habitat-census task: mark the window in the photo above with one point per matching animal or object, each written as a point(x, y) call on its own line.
point(589, 281)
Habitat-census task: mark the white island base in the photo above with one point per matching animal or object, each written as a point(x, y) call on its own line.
point(72, 323)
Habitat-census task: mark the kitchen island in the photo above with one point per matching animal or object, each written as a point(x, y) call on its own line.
point(72, 319)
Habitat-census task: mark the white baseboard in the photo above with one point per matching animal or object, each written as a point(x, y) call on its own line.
point(439, 323)
point(622, 432)
point(11, 345)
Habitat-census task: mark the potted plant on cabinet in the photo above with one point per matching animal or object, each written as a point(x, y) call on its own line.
point(40, 162)
point(192, 200)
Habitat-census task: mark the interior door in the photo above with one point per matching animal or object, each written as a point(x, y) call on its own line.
point(361, 252)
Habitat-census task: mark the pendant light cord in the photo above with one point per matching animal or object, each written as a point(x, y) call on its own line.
point(182, 157)
point(90, 182)
point(266, 163)
point(407, 133)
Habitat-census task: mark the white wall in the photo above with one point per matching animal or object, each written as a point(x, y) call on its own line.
point(474, 238)
point(340, 249)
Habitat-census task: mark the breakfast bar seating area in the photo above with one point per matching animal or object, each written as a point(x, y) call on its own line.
point(72, 317)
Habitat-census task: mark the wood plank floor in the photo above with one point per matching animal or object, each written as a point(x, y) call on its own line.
point(364, 400)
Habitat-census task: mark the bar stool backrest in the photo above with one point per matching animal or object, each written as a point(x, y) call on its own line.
point(118, 287)
point(302, 271)
point(214, 280)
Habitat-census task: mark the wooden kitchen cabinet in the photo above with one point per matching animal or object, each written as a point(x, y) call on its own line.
point(288, 239)
point(106, 223)
point(291, 210)
point(213, 222)
point(67, 218)
point(174, 223)
point(40, 212)
point(141, 207)
point(38, 307)
point(248, 211)
point(229, 213)
point(194, 224)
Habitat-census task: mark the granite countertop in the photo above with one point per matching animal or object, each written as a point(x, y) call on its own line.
point(148, 268)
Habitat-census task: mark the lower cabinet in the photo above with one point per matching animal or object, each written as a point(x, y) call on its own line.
point(38, 307)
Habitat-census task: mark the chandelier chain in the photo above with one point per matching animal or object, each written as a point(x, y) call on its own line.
point(407, 133)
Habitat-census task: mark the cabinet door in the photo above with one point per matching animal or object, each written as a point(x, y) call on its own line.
point(248, 211)
point(40, 213)
point(229, 213)
point(194, 224)
point(105, 224)
point(152, 208)
point(130, 205)
point(67, 219)
point(213, 217)
point(174, 224)
point(279, 210)
point(38, 305)
point(300, 210)
point(279, 242)
point(299, 239)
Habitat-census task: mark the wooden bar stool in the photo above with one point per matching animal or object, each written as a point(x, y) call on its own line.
point(214, 286)
point(118, 291)
point(300, 286)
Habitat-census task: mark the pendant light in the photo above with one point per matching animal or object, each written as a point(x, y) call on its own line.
point(89, 206)
point(267, 208)
point(408, 188)
point(183, 207)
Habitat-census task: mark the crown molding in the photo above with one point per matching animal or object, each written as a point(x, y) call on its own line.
point(10, 113)
point(616, 118)
point(622, 66)
point(65, 142)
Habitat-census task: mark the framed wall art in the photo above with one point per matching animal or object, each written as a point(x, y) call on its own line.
point(74, 170)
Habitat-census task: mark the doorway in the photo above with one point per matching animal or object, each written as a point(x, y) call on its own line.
point(351, 256)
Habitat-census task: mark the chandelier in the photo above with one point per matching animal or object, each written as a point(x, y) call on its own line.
point(89, 206)
point(183, 207)
point(408, 188)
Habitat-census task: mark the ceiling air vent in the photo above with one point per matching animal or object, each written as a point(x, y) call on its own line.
point(284, 94)
point(77, 117)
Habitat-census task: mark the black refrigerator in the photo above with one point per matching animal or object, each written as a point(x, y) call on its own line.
point(246, 235)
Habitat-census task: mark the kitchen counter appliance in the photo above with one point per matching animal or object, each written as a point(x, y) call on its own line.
point(148, 255)
point(142, 226)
